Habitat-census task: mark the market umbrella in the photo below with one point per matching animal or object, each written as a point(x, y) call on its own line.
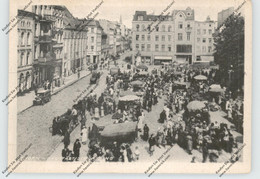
point(180, 83)
point(143, 73)
point(121, 129)
point(216, 88)
point(126, 93)
point(129, 98)
point(196, 105)
point(200, 77)
point(137, 83)
point(117, 115)
point(143, 67)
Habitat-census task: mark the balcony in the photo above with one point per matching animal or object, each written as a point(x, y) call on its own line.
point(46, 57)
point(188, 29)
point(45, 39)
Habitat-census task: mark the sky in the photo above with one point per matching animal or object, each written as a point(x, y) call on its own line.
point(112, 9)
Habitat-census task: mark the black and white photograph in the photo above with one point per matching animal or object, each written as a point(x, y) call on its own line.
point(117, 83)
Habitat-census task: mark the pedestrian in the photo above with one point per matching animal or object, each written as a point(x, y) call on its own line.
point(146, 132)
point(151, 142)
point(136, 153)
point(66, 139)
point(55, 126)
point(76, 149)
point(84, 135)
point(189, 144)
point(205, 151)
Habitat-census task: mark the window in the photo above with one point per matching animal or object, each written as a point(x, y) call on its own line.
point(137, 46)
point(204, 40)
point(169, 48)
point(27, 58)
point(156, 47)
point(142, 47)
point(180, 25)
point(163, 37)
point(163, 28)
point(204, 31)
point(137, 37)
point(188, 36)
point(156, 38)
point(210, 31)
point(137, 27)
point(198, 40)
point(140, 18)
point(163, 48)
point(169, 38)
point(21, 59)
point(28, 39)
point(157, 28)
point(143, 27)
point(188, 25)
point(210, 40)
point(184, 49)
point(198, 31)
point(148, 47)
point(148, 37)
point(169, 28)
point(209, 48)
point(180, 36)
point(92, 48)
point(203, 48)
point(22, 39)
point(143, 38)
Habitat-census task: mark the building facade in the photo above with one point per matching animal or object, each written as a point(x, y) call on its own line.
point(25, 49)
point(94, 39)
point(152, 38)
point(171, 38)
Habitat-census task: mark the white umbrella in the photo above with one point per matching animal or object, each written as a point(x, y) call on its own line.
point(216, 88)
point(129, 98)
point(200, 77)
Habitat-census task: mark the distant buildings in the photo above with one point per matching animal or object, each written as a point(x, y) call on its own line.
point(224, 14)
point(175, 37)
point(53, 44)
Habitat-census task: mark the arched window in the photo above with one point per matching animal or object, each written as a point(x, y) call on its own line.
point(169, 28)
point(22, 38)
point(143, 27)
point(137, 27)
point(28, 39)
point(27, 58)
point(21, 59)
point(163, 28)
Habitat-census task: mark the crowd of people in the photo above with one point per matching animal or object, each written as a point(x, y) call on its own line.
point(177, 124)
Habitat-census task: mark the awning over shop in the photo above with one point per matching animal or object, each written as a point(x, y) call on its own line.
point(162, 58)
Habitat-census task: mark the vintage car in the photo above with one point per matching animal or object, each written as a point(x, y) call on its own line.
point(43, 96)
point(95, 76)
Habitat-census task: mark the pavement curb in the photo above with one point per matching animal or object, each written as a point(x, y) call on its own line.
point(60, 89)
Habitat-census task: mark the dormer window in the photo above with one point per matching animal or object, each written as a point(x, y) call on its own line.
point(140, 18)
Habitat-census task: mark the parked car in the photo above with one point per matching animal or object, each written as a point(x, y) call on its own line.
point(42, 96)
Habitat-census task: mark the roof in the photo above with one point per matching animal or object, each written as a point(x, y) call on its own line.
point(149, 17)
point(22, 13)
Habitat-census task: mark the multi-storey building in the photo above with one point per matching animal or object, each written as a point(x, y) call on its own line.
point(204, 40)
point(184, 35)
point(25, 49)
point(94, 41)
point(172, 37)
point(66, 43)
point(153, 38)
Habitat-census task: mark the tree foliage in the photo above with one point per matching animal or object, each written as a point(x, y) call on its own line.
point(229, 54)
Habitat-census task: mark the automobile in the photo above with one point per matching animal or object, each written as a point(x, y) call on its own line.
point(42, 97)
point(95, 76)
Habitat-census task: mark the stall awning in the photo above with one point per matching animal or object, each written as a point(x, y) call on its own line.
point(162, 58)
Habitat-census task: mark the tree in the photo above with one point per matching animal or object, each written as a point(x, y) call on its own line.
point(229, 54)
